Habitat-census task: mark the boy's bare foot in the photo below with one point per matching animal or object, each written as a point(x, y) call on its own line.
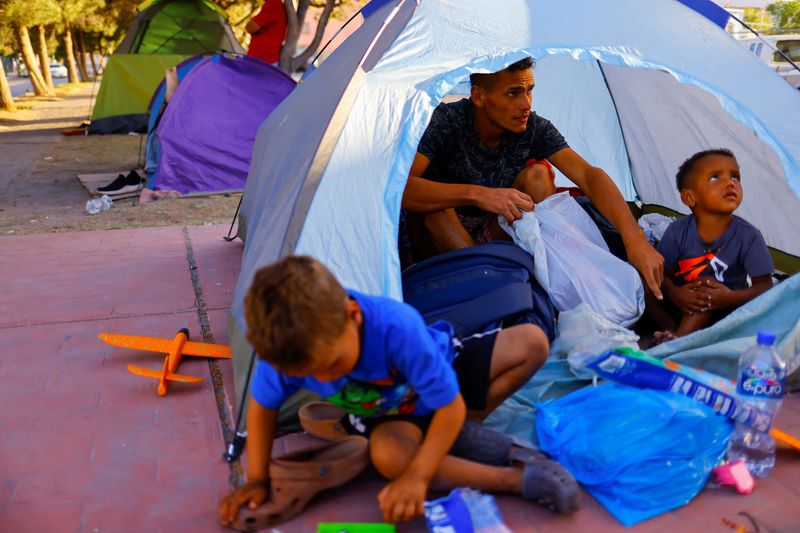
point(658, 337)
point(663, 336)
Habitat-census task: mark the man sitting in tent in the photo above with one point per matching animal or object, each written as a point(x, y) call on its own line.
point(488, 155)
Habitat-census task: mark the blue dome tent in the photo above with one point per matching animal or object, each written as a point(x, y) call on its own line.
point(635, 87)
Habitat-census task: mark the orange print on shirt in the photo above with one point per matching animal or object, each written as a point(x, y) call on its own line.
point(690, 269)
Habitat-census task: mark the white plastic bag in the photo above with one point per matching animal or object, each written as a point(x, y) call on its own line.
point(584, 334)
point(572, 262)
point(654, 225)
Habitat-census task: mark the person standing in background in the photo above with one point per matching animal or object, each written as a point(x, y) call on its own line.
point(267, 30)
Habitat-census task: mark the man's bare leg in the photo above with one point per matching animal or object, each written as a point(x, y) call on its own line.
point(537, 182)
point(662, 315)
point(660, 312)
point(519, 351)
point(446, 231)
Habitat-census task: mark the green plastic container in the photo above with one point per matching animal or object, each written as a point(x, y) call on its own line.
point(355, 528)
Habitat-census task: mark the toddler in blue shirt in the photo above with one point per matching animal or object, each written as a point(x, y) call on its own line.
point(709, 255)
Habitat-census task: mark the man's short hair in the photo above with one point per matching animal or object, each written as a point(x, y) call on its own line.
point(486, 81)
point(293, 306)
point(687, 166)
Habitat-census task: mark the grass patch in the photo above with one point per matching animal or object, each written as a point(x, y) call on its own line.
point(19, 107)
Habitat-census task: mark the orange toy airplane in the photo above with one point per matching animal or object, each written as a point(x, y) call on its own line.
point(175, 349)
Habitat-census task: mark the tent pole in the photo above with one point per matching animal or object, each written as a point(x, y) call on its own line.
point(233, 220)
point(335, 35)
point(621, 130)
point(181, 28)
point(140, 154)
point(235, 447)
point(139, 38)
point(774, 48)
point(91, 103)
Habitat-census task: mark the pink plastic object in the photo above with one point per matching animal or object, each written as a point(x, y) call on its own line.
point(735, 474)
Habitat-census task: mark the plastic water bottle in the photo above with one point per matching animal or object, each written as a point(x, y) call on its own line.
point(95, 205)
point(760, 382)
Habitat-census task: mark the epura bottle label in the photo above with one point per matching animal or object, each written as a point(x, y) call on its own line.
point(761, 382)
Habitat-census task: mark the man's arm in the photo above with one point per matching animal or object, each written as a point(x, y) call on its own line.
point(252, 27)
point(407, 493)
point(260, 431)
point(425, 196)
point(605, 195)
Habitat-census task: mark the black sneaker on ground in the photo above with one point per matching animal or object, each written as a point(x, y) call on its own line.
point(122, 184)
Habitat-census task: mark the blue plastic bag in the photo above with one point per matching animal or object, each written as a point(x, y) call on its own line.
point(639, 452)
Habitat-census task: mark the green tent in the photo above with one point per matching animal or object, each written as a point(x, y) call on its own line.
point(163, 34)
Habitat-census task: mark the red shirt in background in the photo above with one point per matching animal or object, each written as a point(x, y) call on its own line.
point(266, 44)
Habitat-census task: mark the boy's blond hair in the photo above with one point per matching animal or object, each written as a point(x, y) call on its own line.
point(292, 307)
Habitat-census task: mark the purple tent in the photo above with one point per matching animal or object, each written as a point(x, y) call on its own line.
point(209, 127)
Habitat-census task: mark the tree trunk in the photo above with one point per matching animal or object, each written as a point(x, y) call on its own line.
point(293, 26)
point(94, 64)
point(44, 59)
point(82, 56)
point(72, 69)
point(24, 41)
point(294, 20)
point(306, 55)
point(6, 100)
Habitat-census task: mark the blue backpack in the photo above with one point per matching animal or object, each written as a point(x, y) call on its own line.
point(477, 287)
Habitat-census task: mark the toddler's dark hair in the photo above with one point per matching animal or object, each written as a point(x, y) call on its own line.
point(687, 166)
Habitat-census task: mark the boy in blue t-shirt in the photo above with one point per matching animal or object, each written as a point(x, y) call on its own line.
point(409, 386)
point(709, 255)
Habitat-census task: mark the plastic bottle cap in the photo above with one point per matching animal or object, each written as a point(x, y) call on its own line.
point(766, 337)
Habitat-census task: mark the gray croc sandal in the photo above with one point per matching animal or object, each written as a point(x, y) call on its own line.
point(549, 483)
point(480, 444)
point(526, 455)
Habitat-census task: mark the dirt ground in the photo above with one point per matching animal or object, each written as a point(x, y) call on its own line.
point(39, 188)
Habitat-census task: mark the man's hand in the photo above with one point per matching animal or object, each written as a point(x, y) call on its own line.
point(718, 294)
point(649, 263)
point(507, 202)
point(253, 493)
point(403, 499)
point(690, 298)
